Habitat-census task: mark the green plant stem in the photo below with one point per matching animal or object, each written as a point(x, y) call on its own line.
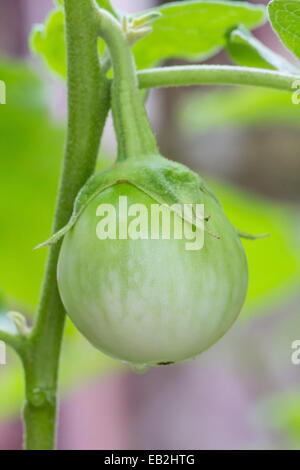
point(88, 105)
point(214, 75)
point(134, 134)
point(15, 341)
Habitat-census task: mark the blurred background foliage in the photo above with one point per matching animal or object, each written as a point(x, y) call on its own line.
point(238, 107)
point(31, 149)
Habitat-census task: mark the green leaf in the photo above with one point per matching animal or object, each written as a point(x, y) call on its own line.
point(237, 107)
point(281, 413)
point(285, 19)
point(49, 42)
point(191, 30)
point(194, 30)
point(244, 49)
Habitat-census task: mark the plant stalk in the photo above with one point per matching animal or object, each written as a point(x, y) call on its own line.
point(15, 341)
point(216, 75)
point(88, 106)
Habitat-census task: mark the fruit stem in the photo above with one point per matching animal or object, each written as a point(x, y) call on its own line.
point(134, 133)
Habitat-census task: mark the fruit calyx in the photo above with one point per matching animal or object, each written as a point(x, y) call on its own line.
point(167, 182)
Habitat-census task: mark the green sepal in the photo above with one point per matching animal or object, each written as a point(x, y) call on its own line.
point(165, 181)
point(249, 236)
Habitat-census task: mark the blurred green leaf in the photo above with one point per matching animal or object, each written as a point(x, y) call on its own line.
point(246, 50)
point(31, 151)
point(282, 414)
point(192, 30)
point(24, 89)
point(274, 262)
point(31, 148)
point(285, 19)
point(237, 107)
point(49, 42)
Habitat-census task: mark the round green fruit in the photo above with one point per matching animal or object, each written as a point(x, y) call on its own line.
point(151, 301)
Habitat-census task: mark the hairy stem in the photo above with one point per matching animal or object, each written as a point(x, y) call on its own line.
point(134, 134)
point(88, 105)
point(215, 74)
point(15, 341)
